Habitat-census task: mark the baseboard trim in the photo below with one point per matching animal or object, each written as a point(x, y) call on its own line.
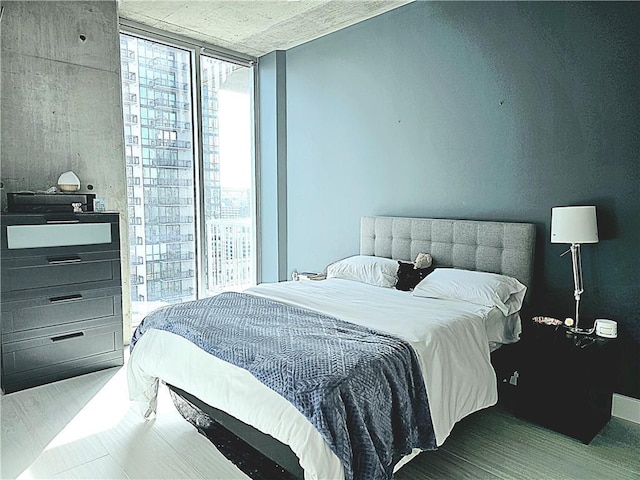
point(627, 408)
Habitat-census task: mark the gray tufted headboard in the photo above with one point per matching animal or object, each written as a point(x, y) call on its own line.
point(497, 247)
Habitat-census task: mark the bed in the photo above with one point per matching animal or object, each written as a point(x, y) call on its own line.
point(451, 343)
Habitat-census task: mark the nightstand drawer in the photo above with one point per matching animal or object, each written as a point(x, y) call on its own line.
point(74, 306)
point(42, 356)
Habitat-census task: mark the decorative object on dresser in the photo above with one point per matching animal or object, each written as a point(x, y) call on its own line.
point(61, 297)
point(575, 225)
point(68, 182)
point(565, 380)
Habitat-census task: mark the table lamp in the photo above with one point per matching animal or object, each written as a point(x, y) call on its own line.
point(574, 225)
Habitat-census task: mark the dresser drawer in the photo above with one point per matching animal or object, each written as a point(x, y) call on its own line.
point(28, 275)
point(61, 294)
point(40, 361)
point(45, 355)
point(23, 316)
point(22, 235)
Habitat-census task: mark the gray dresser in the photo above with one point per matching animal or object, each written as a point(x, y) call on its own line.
point(61, 297)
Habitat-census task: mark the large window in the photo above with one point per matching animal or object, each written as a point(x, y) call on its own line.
point(189, 154)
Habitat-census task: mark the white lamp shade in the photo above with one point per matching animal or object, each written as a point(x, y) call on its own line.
point(574, 225)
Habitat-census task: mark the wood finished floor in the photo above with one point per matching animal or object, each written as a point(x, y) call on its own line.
point(85, 428)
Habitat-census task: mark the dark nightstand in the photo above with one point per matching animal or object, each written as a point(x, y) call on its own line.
point(566, 380)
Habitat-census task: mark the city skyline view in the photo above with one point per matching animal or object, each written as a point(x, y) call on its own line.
point(170, 260)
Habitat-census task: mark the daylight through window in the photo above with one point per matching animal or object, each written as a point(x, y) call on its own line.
point(191, 209)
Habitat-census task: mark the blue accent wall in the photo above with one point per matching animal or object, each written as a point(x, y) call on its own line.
point(487, 111)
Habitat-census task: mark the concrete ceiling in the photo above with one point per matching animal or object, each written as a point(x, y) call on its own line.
point(253, 27)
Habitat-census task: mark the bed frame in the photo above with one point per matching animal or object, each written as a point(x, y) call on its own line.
point(497, 247)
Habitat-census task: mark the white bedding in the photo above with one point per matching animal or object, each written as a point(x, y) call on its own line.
point(449, 337)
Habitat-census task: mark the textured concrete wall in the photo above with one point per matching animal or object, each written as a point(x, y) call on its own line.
point(61, 101)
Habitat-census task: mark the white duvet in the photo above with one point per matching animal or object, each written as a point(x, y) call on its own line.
point(449, 337)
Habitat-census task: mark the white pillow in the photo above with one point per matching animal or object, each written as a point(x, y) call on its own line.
point(488, 289)
point(378, 271)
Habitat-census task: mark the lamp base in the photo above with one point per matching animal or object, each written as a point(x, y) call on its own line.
point(581, 331)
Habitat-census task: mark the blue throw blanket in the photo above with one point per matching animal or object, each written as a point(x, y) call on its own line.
point(361, 389)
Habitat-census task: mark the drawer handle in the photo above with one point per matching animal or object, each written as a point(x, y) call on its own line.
point(60, 261)
point(63, 221)
point(65, 298)
point(67, 336)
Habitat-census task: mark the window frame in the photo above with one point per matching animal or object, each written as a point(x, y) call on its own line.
point(197, 49)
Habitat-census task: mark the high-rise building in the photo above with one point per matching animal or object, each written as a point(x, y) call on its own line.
point(161, 175)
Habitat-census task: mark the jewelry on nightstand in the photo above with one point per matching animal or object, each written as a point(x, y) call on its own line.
point(547, 321)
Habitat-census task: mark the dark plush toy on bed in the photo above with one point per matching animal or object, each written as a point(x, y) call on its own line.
point(409, 276)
